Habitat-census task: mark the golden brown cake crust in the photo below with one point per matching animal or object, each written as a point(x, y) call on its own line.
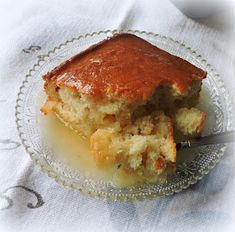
point(124, 66)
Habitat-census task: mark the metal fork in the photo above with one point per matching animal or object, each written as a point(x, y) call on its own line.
point(224, 137)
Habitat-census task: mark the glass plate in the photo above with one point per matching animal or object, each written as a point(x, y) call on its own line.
point(199, 161)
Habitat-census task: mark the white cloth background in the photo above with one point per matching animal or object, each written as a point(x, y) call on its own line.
point(206, 206)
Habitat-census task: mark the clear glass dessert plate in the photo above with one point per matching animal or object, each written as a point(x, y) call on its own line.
point(192, 165)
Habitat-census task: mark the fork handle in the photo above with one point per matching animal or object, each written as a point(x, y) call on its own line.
point(224, 137)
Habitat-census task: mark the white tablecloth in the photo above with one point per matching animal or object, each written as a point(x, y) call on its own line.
point(31, 201)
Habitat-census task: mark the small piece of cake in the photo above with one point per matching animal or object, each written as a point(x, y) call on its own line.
point(190, 122)
point(147, 145)
point(124, 94)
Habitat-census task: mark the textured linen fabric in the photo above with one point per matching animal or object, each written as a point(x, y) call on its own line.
point(31, 201)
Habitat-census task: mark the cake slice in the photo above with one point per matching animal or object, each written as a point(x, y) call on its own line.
point(125, 94)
